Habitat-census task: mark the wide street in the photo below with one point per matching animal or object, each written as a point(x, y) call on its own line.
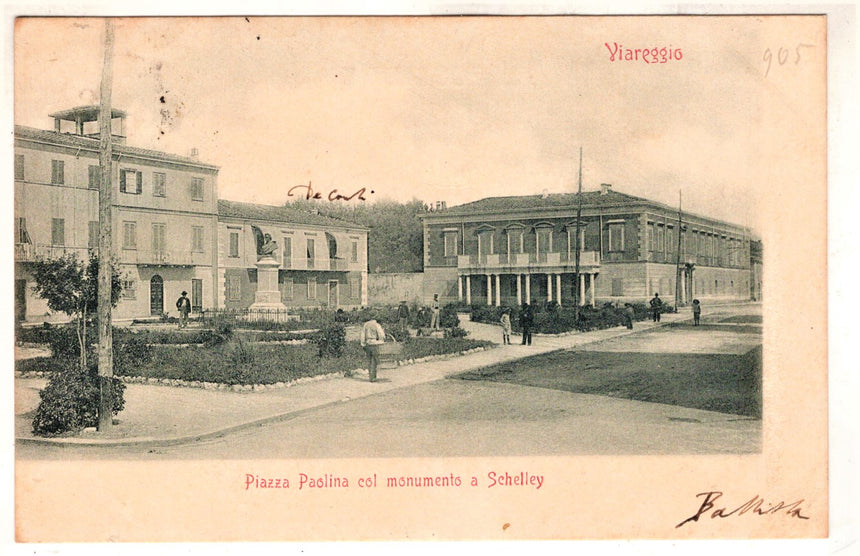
point(455, 417)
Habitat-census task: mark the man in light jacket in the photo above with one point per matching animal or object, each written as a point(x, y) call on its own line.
point(372, 334)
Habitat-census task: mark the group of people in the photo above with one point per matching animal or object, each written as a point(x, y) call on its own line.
point(435, 314)
point(527, 318)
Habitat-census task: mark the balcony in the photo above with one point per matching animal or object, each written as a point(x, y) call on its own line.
point(341, 265)
point(162, 258)
point(528, 262)
point(27, 252)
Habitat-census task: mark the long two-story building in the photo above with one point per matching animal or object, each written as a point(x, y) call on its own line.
point(507, 250)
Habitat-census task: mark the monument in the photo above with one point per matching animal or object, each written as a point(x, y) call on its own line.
point(267, 299)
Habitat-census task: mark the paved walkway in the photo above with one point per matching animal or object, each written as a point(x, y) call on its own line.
point(165, 415)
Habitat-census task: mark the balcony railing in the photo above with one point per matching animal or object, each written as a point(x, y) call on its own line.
point(301, 263)
point(527, 260)
point(35, 251)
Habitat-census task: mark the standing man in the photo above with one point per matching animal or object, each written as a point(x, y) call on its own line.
point(403, 314)
point(372, 335)
point(656, 307)
point(526, 320)
point(183, 305)
point(434, 320)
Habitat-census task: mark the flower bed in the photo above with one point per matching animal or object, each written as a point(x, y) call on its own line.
point(552, 319)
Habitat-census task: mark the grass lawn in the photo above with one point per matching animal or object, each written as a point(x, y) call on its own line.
point(724, 383)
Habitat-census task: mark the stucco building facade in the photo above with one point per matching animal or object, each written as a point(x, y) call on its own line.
point(507, 250)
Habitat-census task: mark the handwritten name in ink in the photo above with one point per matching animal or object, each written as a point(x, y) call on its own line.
point(755, 506)
point(333, 194)
point(654, 55)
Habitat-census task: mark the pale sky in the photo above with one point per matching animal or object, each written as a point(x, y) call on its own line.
point(452, 109)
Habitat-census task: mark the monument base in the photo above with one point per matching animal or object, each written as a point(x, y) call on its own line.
point(267, 304)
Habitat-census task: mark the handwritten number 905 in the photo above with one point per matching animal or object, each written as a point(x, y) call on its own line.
point(782, 56)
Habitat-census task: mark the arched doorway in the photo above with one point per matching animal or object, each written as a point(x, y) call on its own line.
point(156, 296)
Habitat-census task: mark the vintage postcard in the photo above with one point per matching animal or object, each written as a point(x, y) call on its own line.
point(420, 278)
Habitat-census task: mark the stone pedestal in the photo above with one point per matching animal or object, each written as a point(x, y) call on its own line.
point(267, 299)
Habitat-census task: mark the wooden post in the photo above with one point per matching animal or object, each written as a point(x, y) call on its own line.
point(105, 239)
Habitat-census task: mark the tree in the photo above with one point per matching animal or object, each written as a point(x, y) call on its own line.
point(70, 286)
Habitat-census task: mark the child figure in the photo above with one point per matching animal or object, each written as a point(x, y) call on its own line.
point(697, 312)
point(506, 326)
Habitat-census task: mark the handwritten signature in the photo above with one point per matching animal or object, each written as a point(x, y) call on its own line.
point(755, 505)
point(333, 195)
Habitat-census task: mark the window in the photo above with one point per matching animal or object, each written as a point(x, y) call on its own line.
point(312, 288)
point(617, 287)
point(544, 240)
point(158, 242)
point(159, 184)
point(58, 231)
point(287, 252)
point(616, 236)
point(354, 256)
point(287, 288)
point(197, 189)
point(571, 244)
point(234, 288)
point(130, 181)
point(58, 176)
point(661, 239)
point(515, 241)
point(19, 167)
point(652, 237)
point(485, 243)
point(95, 176)
point(451, 244)
point(354, 287)
point(21, 234)
point(129, 235)
point(234, 244)
point(129, 289)
point(311, 246)
point(196, 295)
point(197, 239)
point(93, 235)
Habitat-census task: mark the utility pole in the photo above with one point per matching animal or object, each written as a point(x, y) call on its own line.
point(105, 239)
point(576, 277)
point(678, 259)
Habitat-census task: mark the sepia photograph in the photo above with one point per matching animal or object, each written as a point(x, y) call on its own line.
point(537, 266)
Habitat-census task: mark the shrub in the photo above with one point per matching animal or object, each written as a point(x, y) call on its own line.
point(331, 340)
point(223, 332)
point(242, 352)
point(399, 333)
point(130, 353)
point(448, 316)
point(70, 400)
point(455, 332)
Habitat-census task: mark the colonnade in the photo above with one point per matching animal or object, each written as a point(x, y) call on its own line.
point(523, 287)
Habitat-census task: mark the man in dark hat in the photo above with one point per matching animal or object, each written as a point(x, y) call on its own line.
point(183, 305)
point(656, 307)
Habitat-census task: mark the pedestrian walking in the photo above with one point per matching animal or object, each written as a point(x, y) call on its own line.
point(506, 326)
point(372, 335)
point(628, 315)
point(403, 314)
point(183, 305)
point(697, 312)
point(434, 307)
point(656, 307)
point(526, 321)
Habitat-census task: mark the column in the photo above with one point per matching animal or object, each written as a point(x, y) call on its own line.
point(459, 288)
point(558, 288)
point(498, 292)
point(519, 292)
point(489, 289)
point(582, 289)
point(468, 289)
point(528, 288)
point(591, 287)
point(549, 287)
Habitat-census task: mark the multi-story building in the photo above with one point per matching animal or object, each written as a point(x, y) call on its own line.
point(506, 250)
point(323, 261)
point(170, 231)
point(164, 213)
